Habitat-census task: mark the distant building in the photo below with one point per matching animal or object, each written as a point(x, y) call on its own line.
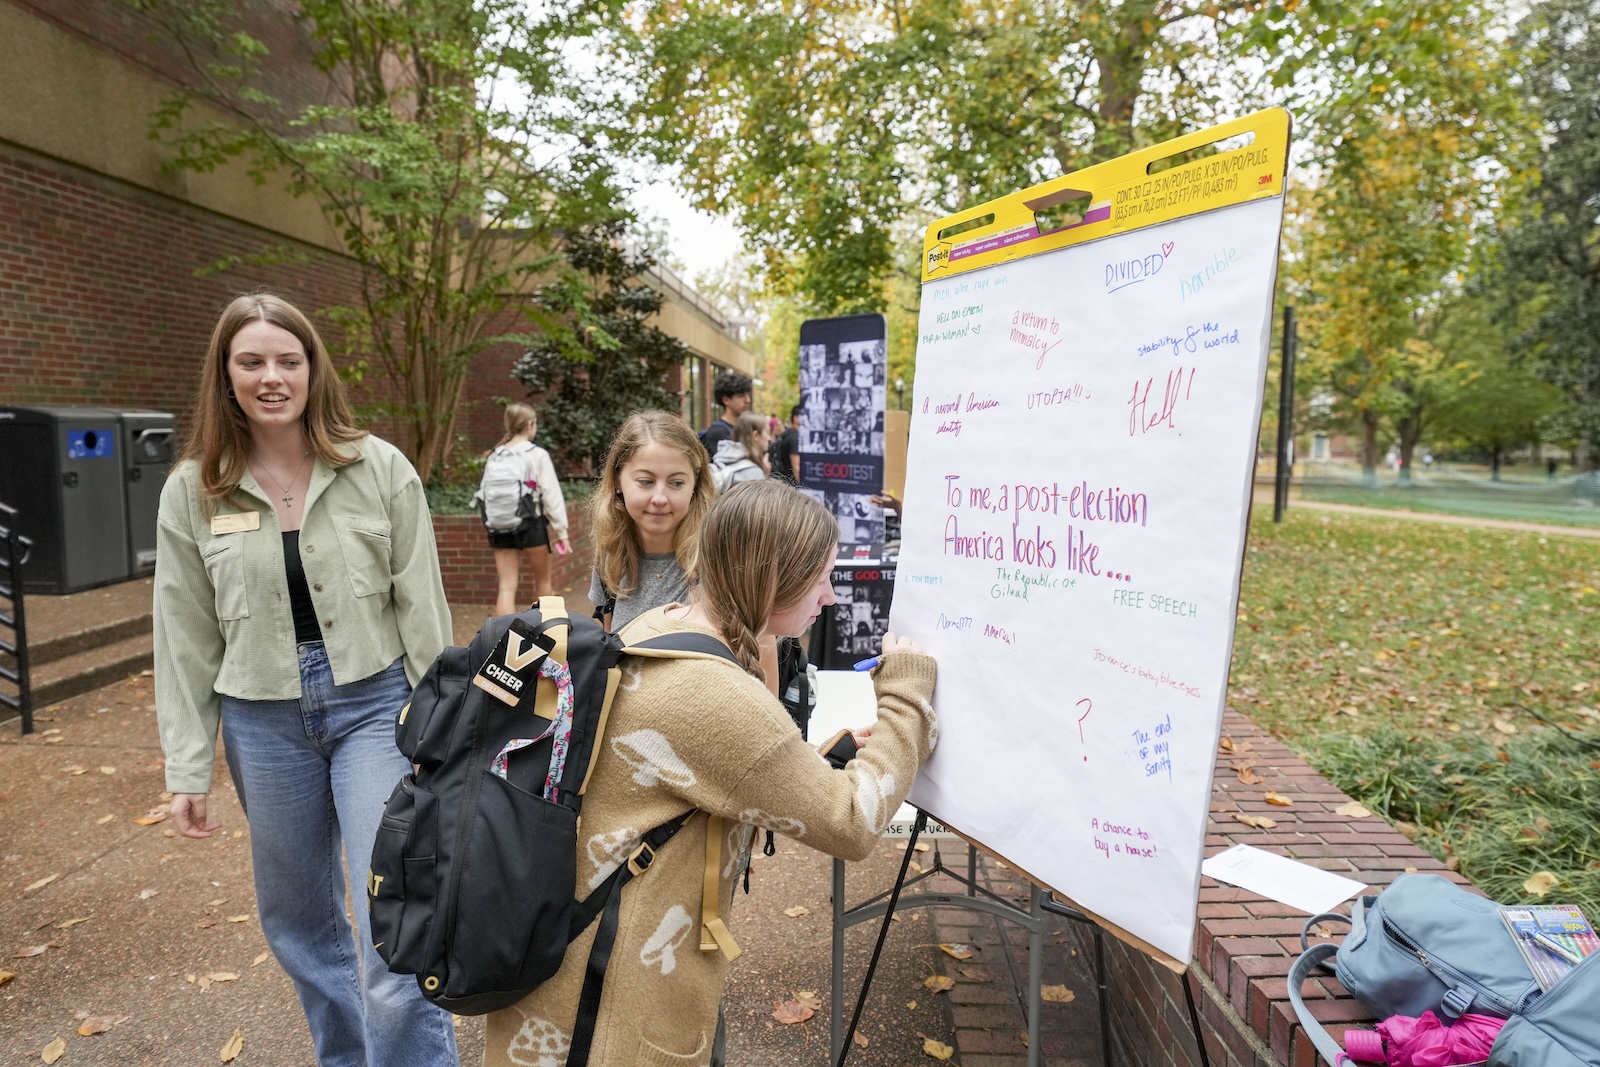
point(99, 244)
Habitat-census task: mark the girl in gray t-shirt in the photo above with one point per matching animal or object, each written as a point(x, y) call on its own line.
point(654, 492)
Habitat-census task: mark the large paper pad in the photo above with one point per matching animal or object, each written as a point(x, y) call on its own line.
point(1082, 448)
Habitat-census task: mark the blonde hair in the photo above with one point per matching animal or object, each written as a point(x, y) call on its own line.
point(518, 418)
point(220, 439)
point(744, 432)
point(616, 542)
point(764, 546)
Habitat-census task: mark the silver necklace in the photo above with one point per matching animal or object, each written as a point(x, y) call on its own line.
point(288, 497)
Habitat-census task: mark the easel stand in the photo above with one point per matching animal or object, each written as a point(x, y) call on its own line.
point(980, 899)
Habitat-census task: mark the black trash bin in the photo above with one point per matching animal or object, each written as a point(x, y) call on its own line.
point(149, 445)
point(61, 468)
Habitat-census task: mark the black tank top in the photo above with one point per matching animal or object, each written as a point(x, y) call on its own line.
point(305, 613)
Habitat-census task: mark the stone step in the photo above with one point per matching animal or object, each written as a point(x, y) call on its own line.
point(81, 671)
point(52, 647)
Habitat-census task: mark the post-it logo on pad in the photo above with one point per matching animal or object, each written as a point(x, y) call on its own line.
point(513, 666)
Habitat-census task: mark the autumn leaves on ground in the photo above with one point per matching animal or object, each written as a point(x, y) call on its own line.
point(1447, 677)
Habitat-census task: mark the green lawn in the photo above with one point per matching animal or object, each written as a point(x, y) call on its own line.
point(1446, 676)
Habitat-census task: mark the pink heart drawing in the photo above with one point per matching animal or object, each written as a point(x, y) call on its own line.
point(1166, 249)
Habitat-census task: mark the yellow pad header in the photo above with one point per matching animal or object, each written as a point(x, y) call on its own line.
point(1117, 196)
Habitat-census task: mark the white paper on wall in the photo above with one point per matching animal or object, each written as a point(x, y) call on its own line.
point(1078, 482)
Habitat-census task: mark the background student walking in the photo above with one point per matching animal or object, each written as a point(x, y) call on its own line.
point(742, 457)
point(523, 508)
point(297, 599)
point(735, 393)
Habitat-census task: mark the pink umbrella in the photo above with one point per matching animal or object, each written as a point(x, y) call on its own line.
point(1402, 1041)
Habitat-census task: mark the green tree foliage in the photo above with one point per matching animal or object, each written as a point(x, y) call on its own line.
point(1417, 130)
point(1552, 253)
point(441, 157)
point(831, 132)
point(600, 360)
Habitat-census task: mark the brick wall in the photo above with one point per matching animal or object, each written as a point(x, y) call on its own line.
point(467, 565)
point(1246, 943)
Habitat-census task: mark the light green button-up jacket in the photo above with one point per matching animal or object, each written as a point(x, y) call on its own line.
point(223, 625)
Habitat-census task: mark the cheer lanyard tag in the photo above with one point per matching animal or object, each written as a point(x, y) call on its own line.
point(512, 669)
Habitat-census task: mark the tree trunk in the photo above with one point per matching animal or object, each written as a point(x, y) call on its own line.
point(1410, 429)
point(1494, 464)
point(1369, 448)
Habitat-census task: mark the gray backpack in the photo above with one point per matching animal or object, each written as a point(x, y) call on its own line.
point(1426, 944)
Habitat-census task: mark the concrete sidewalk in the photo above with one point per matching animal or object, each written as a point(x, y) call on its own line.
point(104, 918)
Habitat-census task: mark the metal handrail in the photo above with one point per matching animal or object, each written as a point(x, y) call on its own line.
point(17, 550)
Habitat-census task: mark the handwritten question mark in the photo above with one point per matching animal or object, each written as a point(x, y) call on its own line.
point(1085, 715)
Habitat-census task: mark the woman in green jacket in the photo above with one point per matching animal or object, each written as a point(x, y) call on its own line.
point(297, 600)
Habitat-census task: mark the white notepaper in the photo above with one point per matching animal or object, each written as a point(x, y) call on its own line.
point(1280, 878)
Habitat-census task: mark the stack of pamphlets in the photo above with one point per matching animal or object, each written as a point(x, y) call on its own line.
point(1553, 938)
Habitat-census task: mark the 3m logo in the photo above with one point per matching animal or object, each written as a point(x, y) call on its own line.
point(1265, 179)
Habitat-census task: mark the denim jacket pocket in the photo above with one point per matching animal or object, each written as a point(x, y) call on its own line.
point(366, 545)
point(224, 560)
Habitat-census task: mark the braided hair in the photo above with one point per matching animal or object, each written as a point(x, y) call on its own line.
point(764, 545)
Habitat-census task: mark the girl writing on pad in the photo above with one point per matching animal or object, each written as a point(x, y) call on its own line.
point(705, 735)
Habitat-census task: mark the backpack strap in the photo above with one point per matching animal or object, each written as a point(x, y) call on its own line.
point(714, 933)
point(685, 645)
point(606, 902)
point(1323, 1041)
point(557, 625)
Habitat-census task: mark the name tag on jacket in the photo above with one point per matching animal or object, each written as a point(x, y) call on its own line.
point(238, 522)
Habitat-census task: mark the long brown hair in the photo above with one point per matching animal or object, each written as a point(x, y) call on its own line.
point(744, 432)
point(616, 542)
point(518, 418)
point(220, 438)
point(763, 547)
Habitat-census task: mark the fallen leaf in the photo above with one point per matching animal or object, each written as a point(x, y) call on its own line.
point(52, 730)
point(1056, 994)
point(809, 998)
point(915, 866)
point(189, 978)
point(146, 894)
point(70, 923)
point(206, 924)
point(797, 911)
point(790, 1012)
point(234, 1046)
point(259, 960)
point(53, 1051)
point(238, 918)
point(150, 820)
point(6, 976)
point(204, 983)
point(1023, 1037)
point(911, 1005)
point(972, 974)
point(922, 846)
point(102, 820)
point(108, 770)
point(937, 1049)
point(1505, 727)
point(169, 832)
point(217, 902)
point(861, 1039)
point(1354, 809)
point(32, 950)
point(1226, 744)
point(958, 951)
point(1540, 884)
point(54, 740)
point(74, 770)
point(1272, 796)
point(1260, 822)
point(223, 976)
point(1248, 776)
point(939, 983)
point(41, 883)
point(94, 1024)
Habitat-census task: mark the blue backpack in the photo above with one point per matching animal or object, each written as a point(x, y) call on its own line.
point(1426, 944)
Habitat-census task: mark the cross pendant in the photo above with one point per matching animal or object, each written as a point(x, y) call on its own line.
point(288, 500)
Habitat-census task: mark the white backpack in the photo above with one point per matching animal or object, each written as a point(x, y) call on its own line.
point(503, 495)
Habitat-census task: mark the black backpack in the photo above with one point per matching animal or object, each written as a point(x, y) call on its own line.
point(474, 870)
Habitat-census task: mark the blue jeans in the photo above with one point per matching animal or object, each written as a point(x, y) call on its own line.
point(314, 773)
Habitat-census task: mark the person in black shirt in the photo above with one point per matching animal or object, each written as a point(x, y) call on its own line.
point(735, 393)
point(785, 451)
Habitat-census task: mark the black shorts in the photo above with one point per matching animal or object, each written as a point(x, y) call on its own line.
point(533, 533)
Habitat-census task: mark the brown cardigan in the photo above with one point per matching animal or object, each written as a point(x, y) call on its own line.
point(703, 734)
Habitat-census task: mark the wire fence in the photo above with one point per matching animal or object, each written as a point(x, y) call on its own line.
point(1459, 489)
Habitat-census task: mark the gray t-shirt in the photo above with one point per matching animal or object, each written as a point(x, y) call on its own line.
point(661, 581)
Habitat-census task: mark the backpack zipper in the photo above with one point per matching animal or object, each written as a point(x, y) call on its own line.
point(1450, 976)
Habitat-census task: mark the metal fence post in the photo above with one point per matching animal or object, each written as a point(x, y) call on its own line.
point(1280, 494)
point(16, 548)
